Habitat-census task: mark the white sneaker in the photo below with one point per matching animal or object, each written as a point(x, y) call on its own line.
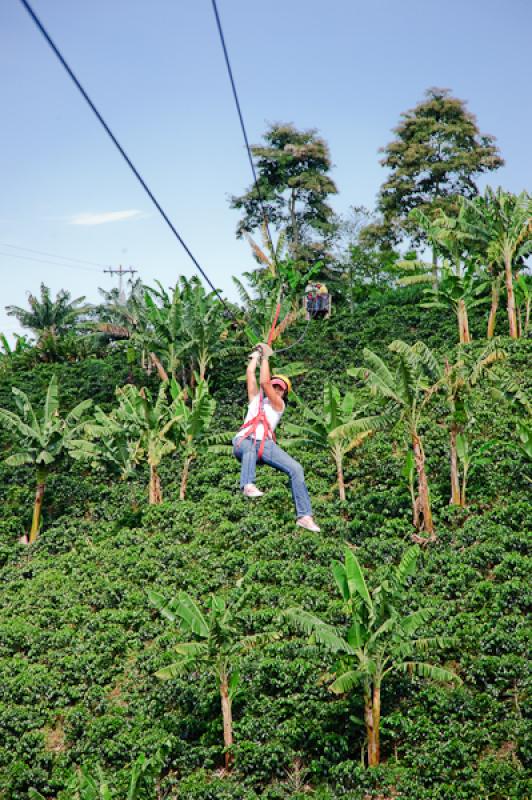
point(250, 490)
point(308, 523)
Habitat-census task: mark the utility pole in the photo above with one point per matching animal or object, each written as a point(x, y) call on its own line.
point(121, 272)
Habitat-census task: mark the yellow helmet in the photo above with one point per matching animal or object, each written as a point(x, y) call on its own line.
point(282, 379)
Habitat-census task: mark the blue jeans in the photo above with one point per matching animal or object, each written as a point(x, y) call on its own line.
point(246, 451)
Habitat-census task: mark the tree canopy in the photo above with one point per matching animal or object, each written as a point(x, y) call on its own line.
point(436, 155)
point(292, 190)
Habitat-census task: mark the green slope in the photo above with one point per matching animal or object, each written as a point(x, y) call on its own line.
point(79, 643)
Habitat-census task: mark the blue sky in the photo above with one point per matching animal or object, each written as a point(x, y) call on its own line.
point(155, 70)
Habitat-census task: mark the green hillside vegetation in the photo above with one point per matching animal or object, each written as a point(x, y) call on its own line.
point(163, 637)
point(82, 643)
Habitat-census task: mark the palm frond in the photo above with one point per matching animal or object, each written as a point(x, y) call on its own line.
point(355, 578)
point(407, 565)
point(176, 670)
point(318, 630)
point(424, 670)
point(346, 682)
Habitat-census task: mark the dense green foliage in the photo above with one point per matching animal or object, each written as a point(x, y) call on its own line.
point(437, 153)
point(292, 190)
point(80, 643)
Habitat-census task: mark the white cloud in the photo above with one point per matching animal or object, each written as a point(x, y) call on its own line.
point(88, 218)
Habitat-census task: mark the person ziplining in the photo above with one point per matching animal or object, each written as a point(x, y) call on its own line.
point(255, 442)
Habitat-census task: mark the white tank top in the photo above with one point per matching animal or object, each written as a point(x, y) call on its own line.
point(272, 416)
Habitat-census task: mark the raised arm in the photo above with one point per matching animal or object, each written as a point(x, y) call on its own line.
point(266, 386)
point(251, 378)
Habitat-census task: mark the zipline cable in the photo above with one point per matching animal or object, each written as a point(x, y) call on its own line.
point(123, 153)
point(255, 179)
point(243, 128)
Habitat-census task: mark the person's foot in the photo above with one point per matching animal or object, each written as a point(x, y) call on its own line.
point(308, 523)
point(250, 490)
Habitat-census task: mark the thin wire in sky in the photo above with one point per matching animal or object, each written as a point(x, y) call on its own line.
point(54, 255)
point(55, 263)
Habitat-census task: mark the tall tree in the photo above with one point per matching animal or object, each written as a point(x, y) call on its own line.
point(435, 157)
point(41, 439)
point(294, 184)
point(381, 638)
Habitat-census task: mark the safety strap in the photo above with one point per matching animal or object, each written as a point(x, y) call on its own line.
point(250, 427)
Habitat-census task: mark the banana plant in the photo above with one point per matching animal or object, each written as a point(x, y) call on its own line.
point(21, 345)
point(205, 328)
point(94, 785)
point(214, 642)
point(188, 330)
point(163, 335)
point(523, 302)
point(524, 431)
point(109, 442)
point(502, 223)
point(405, 392)
point(507, 389)
point(269, 254)
point(49, 319)
point(457, 382)
point(42, 438)
point(283, 289)
point(194, 412)
point(465, 456)
point(137, 431)
point(460, 288)
point(381, 638)
point(460, 293)
point(409, 472)
point(335, 429)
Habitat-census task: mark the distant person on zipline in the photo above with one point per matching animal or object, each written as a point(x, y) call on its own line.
point(255, 441)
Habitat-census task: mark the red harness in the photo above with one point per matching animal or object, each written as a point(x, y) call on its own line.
point(251, 426)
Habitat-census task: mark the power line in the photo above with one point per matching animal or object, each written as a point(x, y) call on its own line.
point(123, 153)
point(53, 255)
point(242, 127)
point(55, 263)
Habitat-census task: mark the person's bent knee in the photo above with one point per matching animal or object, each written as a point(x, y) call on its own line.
point(296, 472)
point(237, 447)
